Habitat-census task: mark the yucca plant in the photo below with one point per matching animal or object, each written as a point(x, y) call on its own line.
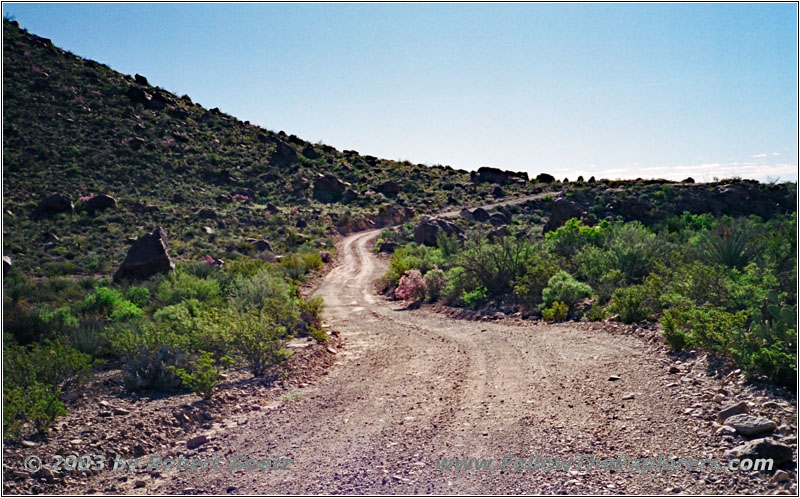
point(729, 247)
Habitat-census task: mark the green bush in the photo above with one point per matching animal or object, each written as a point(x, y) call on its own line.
point(457, 283)
point(496, 266)
point(709, 327)
point(771, 346)
point(112, 304)
point(297, 265)
point(568, 239)
point(258, 339)
point(34, 377)
point(564, 288)
point(555, 313)
point(180, 285)
point(474, 298)
point(202, 375)
point(37, 403)
point(528, 288)
point(269, 293)
point(631, 304)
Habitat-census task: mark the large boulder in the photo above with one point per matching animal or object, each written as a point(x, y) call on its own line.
point(562, 211)
point(329, 188)
point(138, 95)
point(545, 178)
point(55, 203)
point(389, 187)
point(487, 174)
point(390, 215)
point(429, 227)
point(101, 201)
point(480, 214)
point(147, 256)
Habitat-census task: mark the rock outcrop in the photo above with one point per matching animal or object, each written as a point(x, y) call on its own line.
point(429, 227)
point(147, 256)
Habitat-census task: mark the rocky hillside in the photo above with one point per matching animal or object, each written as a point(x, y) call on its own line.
point(216, 184)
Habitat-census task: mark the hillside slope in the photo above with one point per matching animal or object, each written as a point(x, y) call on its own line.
point(76, 126)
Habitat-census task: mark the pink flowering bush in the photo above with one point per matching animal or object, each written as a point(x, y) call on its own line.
point(86, 198)
point(434, 283)
point(208, 260)
point(240, 197)
point(411, 287)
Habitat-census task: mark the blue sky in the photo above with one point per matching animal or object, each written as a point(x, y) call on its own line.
point(612, 90)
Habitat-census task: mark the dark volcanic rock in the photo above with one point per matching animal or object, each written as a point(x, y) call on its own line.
point(147, 257)
point(329, 188)
point(141, 80)
point(480, 214)
point(55, 203)
point(7, 264)
point(389, 187)
point(562, 211)
point(494, 175)
point(545, 178)
point(428, 229)
point(138, 95)
point(101, 201)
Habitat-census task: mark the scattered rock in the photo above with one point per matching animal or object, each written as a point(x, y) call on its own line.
point(196, 442)
point(141, 80)
point(613, 378)
point(487, 174)
point(733, 410)
point(562, 211)
point(763, 448)
point(781, 476)
point(389, 187)
point(479, 214)
point(120, 411)
point(545, 178)
point(55, 203)
point(331, 350)
point(207, 213)
point(329, 188)
point(428, 229)
point(750, 425)
point(263, 245)
point(208, 230)
point(7, 264)
point(101, 201)
point(147, 257)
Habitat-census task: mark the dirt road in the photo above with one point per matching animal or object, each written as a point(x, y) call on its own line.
point(411, 387)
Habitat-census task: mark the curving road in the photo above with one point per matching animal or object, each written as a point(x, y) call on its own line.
point(412, 386)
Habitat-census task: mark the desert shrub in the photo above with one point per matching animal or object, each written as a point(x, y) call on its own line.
point(449, 245)
point(457, 283)
point(269, 293)
point(180, 285)
point(634, 250)
point(399, 263)
point(26, 324)
point(140, 296)
point(564, 288)
point(475, 297)
point(691, 222)
point(631, 304)
point(37, 403)
point(258, 340)
point(709, 327)
point(496, 266)
point(154, 370)
point(297, 265)
point(555, 313)
point(411, 286)
point(34, 377)
point(111, 303)
point(202, 375)
point(573, 236)
point(538, 269)
point(434, 283)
